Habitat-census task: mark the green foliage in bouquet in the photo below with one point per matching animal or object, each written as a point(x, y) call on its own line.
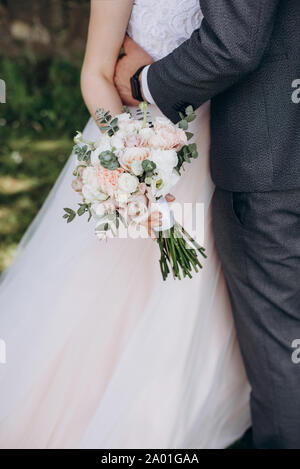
point(188, 152)
point(109, 160)
point(83, 153)
point(108, 124)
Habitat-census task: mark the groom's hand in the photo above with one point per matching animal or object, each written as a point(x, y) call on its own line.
point(134, 57)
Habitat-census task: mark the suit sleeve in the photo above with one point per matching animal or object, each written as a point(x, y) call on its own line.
point(229, 44)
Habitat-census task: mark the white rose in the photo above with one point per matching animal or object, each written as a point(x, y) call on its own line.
point(127, 124)
point(104, 144)
point(137, 168)
point(147, 133)
point(124, 117)
point(122, 197)
point(99, 209)
point(128, 183)
point(89, 176)
point(92, 194)
point(163, 121)
point(165, 160)
point(117, 141)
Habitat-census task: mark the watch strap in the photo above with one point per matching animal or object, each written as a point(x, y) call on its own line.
point(136, 86)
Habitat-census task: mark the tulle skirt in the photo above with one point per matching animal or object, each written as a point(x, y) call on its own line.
point(101, 353)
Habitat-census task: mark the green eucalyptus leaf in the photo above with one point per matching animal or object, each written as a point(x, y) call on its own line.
point(71, 217)
point(189, 110)
point(184, 125)
point(82, 209)
point(189, 135)
point(148, 166)
point(114, 122)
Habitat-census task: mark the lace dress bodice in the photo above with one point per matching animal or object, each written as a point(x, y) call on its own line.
point(159, 26)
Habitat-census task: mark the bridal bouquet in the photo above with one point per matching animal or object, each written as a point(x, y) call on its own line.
point(131, 168)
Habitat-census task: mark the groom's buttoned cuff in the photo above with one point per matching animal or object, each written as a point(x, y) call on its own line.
point(146, 91)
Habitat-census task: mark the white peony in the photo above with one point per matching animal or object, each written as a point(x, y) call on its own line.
point(165, 160)
point(128, 183)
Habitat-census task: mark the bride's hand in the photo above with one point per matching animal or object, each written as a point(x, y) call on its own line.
point(155, 219)
point(134, 57)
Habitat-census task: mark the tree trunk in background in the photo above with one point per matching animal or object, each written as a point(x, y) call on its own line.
point(57, 15)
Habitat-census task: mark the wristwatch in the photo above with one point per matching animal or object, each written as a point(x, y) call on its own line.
point(135, 85)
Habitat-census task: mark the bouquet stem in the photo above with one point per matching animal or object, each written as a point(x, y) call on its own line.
point(179, 253)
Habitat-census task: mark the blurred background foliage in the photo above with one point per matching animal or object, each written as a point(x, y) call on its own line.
point(41, 49)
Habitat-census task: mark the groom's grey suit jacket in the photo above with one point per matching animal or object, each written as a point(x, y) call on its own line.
point(245, 58)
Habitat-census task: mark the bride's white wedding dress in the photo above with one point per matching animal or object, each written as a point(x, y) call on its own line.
point(100, 352)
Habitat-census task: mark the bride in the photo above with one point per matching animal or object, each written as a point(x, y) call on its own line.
point(101, 353)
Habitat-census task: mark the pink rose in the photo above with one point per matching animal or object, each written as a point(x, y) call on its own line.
point(108, 180)
point(168, 137)
point(134, 140)
point(130, 155)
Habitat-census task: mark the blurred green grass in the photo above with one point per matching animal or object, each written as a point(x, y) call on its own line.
point(44, 108)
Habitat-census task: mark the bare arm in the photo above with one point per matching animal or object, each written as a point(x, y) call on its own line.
point(107, 28)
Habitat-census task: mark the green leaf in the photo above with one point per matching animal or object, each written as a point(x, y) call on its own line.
point(189, 110)
point(90, 213)
point(189, 135)
point(82, 209)
point(114, 122)
point(109, 160)
point(148, 166)
point(184, 125)
point(69, 211)
point(190, 118)
point(71, 217)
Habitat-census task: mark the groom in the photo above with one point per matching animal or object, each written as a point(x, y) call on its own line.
point(245, 58)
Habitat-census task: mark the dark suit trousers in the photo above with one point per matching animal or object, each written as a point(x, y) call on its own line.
point(258, 240)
